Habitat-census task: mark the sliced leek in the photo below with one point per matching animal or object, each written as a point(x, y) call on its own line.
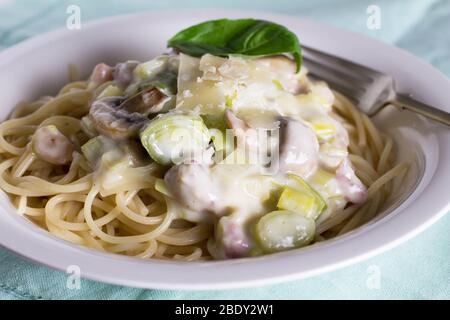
point(283, 230)
point(172, 138)
point(298, 201)
point(111, 91)
point(95, 148)
point(152, 67)
point(324, 130)
point(300, 197)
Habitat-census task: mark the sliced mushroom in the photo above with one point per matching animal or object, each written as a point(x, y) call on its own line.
point(113, 121)
point(298, 148)
point(192, 187)
point(52, 146)
point(119, 119)
point(147, 101)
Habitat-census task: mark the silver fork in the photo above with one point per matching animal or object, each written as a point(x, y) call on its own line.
point(369, 89)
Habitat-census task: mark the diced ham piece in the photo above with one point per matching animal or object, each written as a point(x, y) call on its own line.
point(102, 73)
point(52, 146)
point(233, 241)
point(352, 188)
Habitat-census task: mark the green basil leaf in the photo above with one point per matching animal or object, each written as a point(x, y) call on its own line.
point(248, 37)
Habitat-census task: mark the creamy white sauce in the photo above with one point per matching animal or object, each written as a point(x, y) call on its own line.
point(259, 94)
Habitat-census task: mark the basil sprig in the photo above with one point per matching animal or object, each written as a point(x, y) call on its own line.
point(247, 37)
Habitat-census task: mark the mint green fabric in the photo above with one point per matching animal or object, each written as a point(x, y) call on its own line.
point(418, 269)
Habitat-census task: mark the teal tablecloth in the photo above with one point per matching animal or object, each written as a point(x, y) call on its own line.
point(419, 268)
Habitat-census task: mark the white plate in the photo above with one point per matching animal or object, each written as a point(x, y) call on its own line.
point(38, 66)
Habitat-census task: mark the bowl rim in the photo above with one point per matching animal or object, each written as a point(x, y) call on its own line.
point(40, 246)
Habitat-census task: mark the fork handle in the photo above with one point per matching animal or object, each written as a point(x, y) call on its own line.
point(408, 102)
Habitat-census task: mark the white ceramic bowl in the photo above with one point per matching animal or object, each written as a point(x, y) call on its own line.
point(39, 66)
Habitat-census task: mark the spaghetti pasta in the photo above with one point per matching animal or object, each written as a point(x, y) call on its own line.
point(131, 217)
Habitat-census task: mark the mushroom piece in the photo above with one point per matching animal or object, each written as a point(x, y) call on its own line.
point(120, 118)
point(352, 188)
point(192, 187)
point(50, 145)
point(112, 120)
point(298, 148)
point(147, 101)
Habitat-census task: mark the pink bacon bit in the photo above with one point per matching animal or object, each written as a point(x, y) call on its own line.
point(353, 189)
point(234, 242)
point(102, 73)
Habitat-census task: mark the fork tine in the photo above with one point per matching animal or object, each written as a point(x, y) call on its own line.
point(343, 64)
point(335, 78)
point(345, 74)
